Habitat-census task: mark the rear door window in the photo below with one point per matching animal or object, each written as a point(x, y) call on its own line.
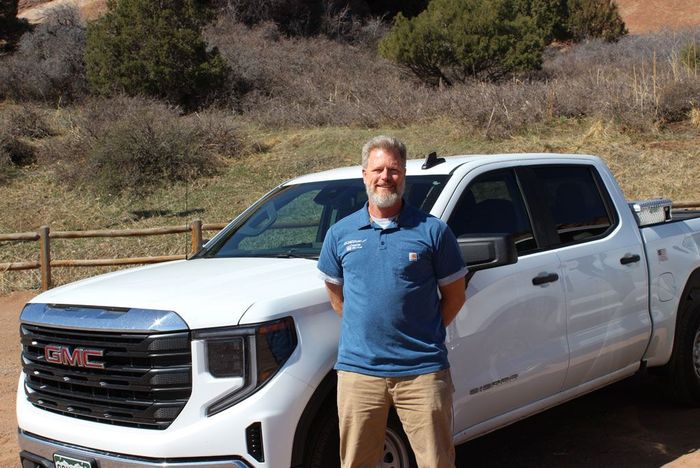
point(579, 209)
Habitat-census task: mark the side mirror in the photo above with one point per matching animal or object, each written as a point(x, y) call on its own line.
point(487, 251)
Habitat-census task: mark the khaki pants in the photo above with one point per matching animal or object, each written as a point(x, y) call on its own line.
point(423, 404)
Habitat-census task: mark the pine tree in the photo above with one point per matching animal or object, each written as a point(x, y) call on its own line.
point(454, 40)
point(595, 19)
point(155, 48)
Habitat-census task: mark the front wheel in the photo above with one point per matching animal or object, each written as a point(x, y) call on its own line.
point(323, 445)
point(684, 367)
point(397, 450)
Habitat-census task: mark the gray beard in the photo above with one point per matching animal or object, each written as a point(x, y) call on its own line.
point(385, 201)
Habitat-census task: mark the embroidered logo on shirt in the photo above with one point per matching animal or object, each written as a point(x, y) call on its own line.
point(354, 244)
point(412, 256)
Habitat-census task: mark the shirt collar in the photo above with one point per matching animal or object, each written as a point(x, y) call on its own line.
point(405, 215)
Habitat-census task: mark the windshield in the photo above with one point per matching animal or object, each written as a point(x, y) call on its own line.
point(293, 221)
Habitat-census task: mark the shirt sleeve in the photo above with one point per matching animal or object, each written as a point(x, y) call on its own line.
point(447, 260)
point(329, 264)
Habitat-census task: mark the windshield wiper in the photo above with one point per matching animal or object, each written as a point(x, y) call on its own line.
point(292, 253)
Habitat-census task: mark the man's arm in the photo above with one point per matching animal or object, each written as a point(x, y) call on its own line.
point(451, 301)
point(335, 294)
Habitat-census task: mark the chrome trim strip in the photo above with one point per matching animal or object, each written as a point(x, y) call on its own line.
point(45, 448)
point(102, 319)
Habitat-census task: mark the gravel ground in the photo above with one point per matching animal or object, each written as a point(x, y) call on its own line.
point(10, 307)
point(628, 424)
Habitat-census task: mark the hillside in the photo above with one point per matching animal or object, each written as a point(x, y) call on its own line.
point(640, 16)
point(35, 10)
point(303, 105)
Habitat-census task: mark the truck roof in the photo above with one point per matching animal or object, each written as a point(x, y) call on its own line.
point(413, 166)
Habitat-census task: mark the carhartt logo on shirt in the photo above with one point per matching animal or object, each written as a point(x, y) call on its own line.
point(353, 244)
point(412, 256)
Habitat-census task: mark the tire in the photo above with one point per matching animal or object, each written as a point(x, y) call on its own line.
point(684, 367)
point(323, 445)
point(397, 449)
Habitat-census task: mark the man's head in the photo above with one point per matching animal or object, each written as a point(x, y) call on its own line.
point(384, 171)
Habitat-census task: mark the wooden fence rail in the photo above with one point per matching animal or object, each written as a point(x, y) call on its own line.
point(44, 236)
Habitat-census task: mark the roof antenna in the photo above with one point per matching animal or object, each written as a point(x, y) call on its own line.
point(432, 160)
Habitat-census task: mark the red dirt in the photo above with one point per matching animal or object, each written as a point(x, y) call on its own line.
point(36, 11)
point(10, 307)
point(642, 16)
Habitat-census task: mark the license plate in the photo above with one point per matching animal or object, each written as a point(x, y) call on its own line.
point(62, 461)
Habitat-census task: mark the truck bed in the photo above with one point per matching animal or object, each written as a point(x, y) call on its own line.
point(684, 214)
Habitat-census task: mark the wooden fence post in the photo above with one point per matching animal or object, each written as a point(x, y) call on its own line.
point(45, 257)
point(196, 228)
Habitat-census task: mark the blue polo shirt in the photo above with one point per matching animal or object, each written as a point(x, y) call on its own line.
point(391, 325)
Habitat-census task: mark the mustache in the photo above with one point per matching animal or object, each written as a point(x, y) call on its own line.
point(385, 200)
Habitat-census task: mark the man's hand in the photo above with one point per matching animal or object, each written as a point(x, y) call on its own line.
point(335, 294)
point(451, 301)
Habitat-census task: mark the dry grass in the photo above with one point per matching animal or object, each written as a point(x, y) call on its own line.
point(639, 81)
point(694, 117)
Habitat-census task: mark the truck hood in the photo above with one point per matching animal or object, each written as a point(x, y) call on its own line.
point(205, 293)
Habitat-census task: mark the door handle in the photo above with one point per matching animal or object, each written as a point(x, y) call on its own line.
point(630, 258)
point(546, 278)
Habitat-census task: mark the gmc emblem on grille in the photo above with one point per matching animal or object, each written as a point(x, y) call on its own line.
point(78, 357)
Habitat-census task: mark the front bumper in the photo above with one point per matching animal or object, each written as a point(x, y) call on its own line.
point(37, 452)
point(274, 411)
point(195, 439)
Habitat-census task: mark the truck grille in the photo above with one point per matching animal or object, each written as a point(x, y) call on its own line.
point(127, 379)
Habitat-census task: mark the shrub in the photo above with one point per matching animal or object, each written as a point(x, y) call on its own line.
point(48, 64)
point(154, 49)
point(133, 146)
point(217, 133)
point(595, 19)
point(496, 109)
point(677, 99)
point(14, 152)
point(136, 156)
point(316, 81)
point(25, 121)
point(690, 56)
point(454, 40)
point(16, 124)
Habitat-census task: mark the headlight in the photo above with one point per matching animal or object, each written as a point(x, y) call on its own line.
point(254, 353)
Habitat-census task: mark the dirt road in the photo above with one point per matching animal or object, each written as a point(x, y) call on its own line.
point(629, 424)
point(10, 366)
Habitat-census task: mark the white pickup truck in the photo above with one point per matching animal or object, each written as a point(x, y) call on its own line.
point(226, 359)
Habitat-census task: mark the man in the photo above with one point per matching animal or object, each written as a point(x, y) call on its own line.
point(383, 266)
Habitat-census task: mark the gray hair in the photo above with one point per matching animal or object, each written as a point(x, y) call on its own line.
point(386, 143)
